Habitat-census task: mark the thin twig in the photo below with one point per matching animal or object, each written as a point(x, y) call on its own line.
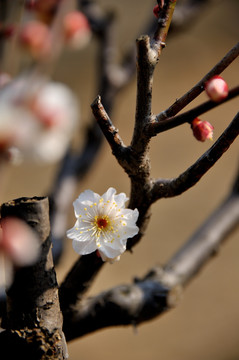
point(183, 101)
point(173, 187)
point(157, 125)
point(108, 129)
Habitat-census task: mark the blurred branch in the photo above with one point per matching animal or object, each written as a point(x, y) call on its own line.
point(205, 243)
point(3, 16)
point(186, 12)
point(76, 165)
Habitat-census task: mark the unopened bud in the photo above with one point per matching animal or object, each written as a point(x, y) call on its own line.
point(216, 88)
point(202, 130)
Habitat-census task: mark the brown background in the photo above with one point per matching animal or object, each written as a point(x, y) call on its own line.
point(205, 325)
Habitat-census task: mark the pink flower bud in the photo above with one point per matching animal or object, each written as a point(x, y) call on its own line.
point(18, 242)
point(216, 88)
point(76, 29)
point(35, 37)
point(202, 130)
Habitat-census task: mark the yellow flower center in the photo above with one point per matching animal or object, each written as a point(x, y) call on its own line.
point(102, 223)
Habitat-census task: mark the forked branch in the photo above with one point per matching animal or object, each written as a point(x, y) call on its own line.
point(161, 287)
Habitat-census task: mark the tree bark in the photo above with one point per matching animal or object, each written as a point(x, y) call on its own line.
point(33, 319)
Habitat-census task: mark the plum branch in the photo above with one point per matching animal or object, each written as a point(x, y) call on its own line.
point(157, 126)
point(174, 187)
point(161, 288)
point(134, 158)
point(196, 90)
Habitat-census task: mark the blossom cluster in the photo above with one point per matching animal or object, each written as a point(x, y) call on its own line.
point(42, 40)
point(44, 32)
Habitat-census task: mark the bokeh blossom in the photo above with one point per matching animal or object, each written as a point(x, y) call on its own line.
point(103, 223)
point(35, 37)
point(19, 246)
point(37, 117)
point(76, 28)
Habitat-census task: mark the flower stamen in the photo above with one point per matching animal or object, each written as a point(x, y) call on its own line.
point(102, 223)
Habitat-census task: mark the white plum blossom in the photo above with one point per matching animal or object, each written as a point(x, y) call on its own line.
point(103, 223)
point(37, 117)
point(56, 109)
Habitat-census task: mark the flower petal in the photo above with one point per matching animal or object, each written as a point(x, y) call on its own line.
point(111, 253)
point(121, 199)
point(84, 247)
point(88, 196)
point(109, 194)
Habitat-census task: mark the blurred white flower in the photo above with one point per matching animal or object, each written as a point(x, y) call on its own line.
point(38, 118)
point(19, 246)
point(56, 108)
point(102, 224)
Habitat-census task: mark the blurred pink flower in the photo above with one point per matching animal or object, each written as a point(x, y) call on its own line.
point(35, 37)
point(19, 246)
point(76, 29)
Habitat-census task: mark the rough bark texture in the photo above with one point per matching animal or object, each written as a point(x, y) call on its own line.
point(33, 320)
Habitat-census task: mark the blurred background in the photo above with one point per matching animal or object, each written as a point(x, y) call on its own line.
point(205, 324)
